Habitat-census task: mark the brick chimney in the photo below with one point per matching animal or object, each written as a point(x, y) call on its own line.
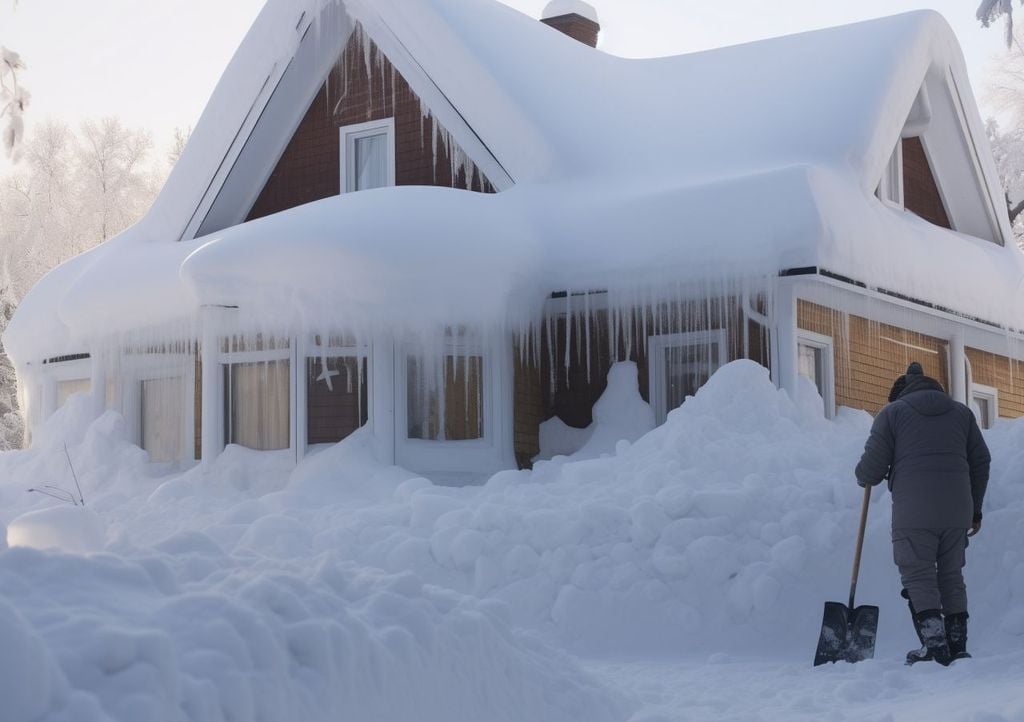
point(575, 18)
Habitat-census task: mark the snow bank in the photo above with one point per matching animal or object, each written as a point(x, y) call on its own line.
point(344, 587)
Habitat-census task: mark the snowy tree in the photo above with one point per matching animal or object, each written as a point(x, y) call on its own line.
point(11, 428)
point(116, 183)
point(1008, 151)
point(13, 100)
point(70, 192)
point(178, 143)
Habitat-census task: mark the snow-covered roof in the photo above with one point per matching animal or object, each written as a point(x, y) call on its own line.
point(751, 158)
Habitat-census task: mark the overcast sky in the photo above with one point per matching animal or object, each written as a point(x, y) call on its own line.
point(155, 63)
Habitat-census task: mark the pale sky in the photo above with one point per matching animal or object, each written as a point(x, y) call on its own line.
point(154, 63)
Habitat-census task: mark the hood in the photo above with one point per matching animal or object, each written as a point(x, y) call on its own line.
point(926, 396)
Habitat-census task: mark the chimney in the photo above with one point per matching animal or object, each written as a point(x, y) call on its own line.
point(575, 18)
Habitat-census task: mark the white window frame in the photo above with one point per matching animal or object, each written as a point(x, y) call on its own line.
point(827, 347)
point(455, 346)
point(290, 354)
point(656, 345)
point(990, 394)
point(151, 367)
point(311, 350)
point(80, 369)
point(348, 135)
point(890, 187)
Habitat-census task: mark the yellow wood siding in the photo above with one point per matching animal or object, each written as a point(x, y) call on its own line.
point(870, 355)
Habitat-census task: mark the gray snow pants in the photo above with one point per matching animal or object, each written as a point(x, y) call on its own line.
point(931, 563)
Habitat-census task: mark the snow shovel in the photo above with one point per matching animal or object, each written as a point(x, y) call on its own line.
point(848, 632)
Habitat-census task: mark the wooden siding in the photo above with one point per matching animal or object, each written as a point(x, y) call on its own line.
point(528, 409)
point(870, 355)
point(309, 169)
point(920, 191)
point(334, 413)
point(1004, 374)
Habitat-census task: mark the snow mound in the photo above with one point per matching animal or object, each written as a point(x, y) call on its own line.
point(66, 528)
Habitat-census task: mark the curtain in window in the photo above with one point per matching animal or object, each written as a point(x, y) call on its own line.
point(371, 157)
point(258, 404)
point(162, 417)
point(73, 386)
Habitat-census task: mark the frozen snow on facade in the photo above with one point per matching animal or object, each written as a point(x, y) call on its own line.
point(680, 578)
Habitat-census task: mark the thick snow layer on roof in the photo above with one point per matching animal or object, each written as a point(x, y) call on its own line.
point(744, 161)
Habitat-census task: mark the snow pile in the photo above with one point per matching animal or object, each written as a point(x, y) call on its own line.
point(619, 415)
point(344, 588)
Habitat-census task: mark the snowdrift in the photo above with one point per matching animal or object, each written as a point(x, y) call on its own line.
point(347, 589)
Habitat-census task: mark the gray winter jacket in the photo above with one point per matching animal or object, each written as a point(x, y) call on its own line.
point(932, 451)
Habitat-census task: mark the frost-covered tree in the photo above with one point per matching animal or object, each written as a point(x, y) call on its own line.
point(1008, 151)
point(14, 99)
point(11, 429)
point(178, 143)
point(71, 191)
point(115, 180)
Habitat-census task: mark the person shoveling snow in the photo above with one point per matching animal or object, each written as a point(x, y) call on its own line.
point(932, 451)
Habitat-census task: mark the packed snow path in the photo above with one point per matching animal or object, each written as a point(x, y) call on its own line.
point(680, 577)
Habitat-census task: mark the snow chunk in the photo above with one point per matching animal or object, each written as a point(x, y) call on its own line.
point(76, 529)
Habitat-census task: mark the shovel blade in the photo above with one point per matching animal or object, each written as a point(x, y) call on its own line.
point(847, 634)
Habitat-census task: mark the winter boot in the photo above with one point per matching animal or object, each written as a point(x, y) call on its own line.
point(932, 633)
point(956, 635)
point(916, 655)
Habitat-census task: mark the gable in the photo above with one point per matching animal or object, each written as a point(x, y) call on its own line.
point(921, 193)
point(364, 86)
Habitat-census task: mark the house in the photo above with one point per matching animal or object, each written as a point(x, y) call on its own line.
point(444, 221)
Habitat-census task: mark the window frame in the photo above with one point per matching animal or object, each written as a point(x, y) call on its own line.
point(827, 347)
point(313, 350)
point(139, 368)
point(656, 345)
point(228, 358)
point(348, 134)
point(990, 394)
point(890, 186)
point(455, 346)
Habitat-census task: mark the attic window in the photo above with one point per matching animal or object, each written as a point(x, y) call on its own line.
point(368, 155)
point(890, 188)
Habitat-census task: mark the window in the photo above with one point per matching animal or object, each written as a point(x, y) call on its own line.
point(679, 364)
point(368, 155)
point(68, 387)
point(985, 404)
point(445, 398)
point(162, 417)
point(816, 362)
point(257, 404)
point(890, 188)
point(336, 397)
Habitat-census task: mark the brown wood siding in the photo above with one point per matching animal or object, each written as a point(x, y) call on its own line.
point(528, 408)
point(920, 191)
point(576, 27)
point(309, 169)
point(334, 413)
point(1004, 374)
point(870, 355)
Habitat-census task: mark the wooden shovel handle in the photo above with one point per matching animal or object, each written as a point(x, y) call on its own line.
point(860, 543)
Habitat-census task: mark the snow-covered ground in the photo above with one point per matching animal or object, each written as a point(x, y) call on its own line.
point(681, 577)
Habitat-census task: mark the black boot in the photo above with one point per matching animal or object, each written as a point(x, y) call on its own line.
point(932, 633)
point(915, 655)
point(956, 635)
